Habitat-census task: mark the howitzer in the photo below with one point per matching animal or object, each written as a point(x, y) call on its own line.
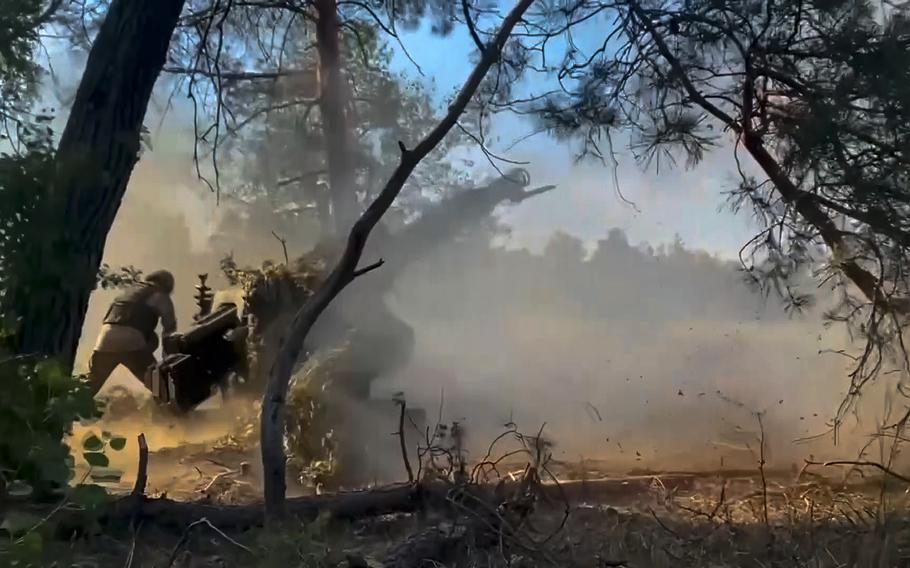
point(201, 360)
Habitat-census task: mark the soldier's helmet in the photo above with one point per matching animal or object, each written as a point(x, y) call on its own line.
point(162, 279)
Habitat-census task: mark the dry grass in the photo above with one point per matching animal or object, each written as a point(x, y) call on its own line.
point(722, 519)
point(713, 523)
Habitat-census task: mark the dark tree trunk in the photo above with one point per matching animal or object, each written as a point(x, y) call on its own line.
point(97, 151)
point(332, 104)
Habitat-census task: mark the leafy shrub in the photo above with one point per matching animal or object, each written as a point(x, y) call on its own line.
point(39, 403)
point(26, 266)
point(310, 423)
point(110, 278)
point(26, 538)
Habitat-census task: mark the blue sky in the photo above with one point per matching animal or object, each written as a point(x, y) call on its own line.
point(587, 204)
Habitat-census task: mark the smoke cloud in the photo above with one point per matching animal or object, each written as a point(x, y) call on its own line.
point(645, 356)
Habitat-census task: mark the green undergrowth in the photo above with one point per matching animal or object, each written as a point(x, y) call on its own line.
point(39, 404)
point(649, 535)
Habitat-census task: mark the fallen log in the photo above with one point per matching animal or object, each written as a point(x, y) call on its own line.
point(177, 515)
point(353, 505)
point(404, 498)
point(608, 490)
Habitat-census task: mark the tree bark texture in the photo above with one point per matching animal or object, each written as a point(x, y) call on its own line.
point(345, 271)
point(332, 107)
point(171, 515)
point(97, 151)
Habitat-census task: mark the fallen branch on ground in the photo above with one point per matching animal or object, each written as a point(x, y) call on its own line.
point(177, 515)
point(881, 467)
point(184, 539)
point(406, 498)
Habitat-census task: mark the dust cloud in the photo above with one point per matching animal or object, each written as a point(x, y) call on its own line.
point(644, 357)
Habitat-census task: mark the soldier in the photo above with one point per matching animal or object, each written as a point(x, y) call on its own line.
point(128, 335)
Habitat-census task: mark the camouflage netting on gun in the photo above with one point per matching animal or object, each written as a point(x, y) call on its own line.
point(358, 339)
point(344, 355)
point(312, 422)
point(271, 295)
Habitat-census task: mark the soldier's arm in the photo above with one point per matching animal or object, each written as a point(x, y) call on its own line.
point(165, 307)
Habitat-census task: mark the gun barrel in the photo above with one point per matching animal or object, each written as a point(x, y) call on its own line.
point(218, 322)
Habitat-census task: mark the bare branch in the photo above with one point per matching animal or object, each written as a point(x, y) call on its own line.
point(470, 23)
point(681, 73)
point(884, 469)
point(369, 268)
point(238, 75)
point(284, 248)
point(301, 177)
point(189, 531)
point(48, 13)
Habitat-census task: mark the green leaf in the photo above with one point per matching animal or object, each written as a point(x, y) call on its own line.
point(51, 374)
point(117, 444)
point(89, 496)
point(92, 443)
point(96, 459)
point(19, 488)
point(29, 549)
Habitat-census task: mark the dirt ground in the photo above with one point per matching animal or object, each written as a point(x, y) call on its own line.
point(696, 521)
point(590, 517)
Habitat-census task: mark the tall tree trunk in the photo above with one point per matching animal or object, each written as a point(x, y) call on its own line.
point(98, 148)
point(332, 105)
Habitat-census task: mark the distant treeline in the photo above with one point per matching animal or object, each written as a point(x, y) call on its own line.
point(615, 281)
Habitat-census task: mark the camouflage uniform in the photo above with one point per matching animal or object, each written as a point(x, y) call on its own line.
point(128, 335)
